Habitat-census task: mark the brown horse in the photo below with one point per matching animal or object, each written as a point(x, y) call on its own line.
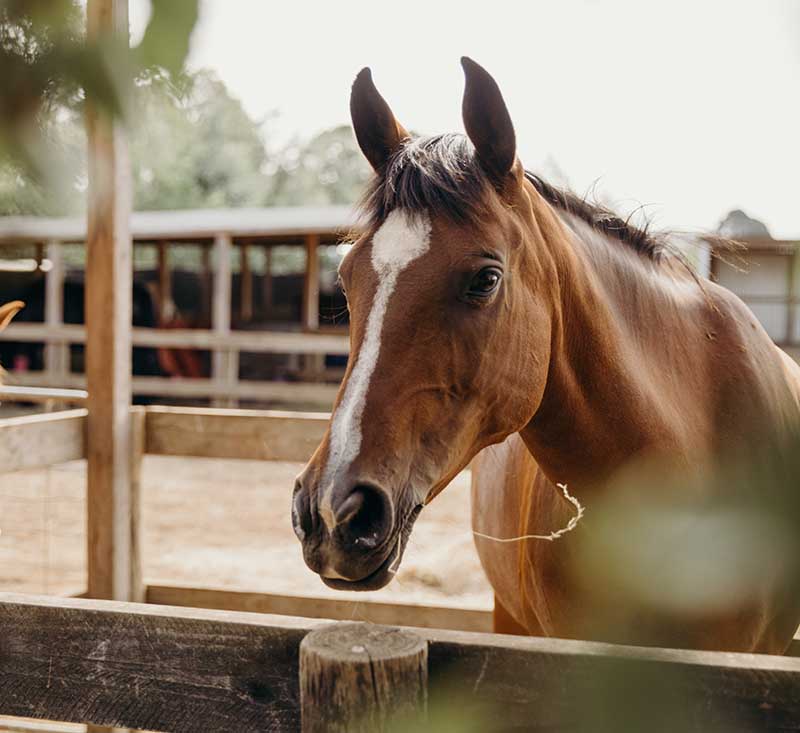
point(488, 308)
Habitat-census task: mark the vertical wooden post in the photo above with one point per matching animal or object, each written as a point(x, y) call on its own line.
point(224, 361)
point(267, 282)
point(362, 677)
point(138, 446)
point(56, 352)
point(313, 364)
point(205, 281)
point(311, 284)
point(245, 285)
point(108, 342)
point(165, 310)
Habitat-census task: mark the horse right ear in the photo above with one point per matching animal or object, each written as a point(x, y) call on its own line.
point(378, 133)
point(487, 122)
point(8, 311)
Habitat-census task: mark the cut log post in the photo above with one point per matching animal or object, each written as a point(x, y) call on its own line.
point(362, 677)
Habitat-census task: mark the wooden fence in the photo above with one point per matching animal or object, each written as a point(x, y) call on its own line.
point(168, 669)
point(42, 440)
point(178, 669)
point(219, 233)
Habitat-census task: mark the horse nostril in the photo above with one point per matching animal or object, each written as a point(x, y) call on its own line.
point(365, 515)
point(302, 521)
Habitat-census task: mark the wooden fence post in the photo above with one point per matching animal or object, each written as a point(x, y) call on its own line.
point(224, 361)
point(138, 446)
point(109, 276)
point(56, 353)
point(361, 677)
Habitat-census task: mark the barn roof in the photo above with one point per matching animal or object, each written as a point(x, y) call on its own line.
point(191, 224)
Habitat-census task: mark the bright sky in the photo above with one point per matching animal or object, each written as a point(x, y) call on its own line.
point(691, 107)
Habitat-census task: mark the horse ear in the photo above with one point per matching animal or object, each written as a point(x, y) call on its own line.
point(487, 122)
point(8, 311)
point(378, 133)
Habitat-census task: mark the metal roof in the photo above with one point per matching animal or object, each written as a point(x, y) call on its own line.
point(191, 223)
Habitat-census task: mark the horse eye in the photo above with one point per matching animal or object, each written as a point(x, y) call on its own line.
point(485, 282)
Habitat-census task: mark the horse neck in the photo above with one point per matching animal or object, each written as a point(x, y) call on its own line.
point(600, 404)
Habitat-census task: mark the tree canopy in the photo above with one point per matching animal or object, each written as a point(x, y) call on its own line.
point(193, 145)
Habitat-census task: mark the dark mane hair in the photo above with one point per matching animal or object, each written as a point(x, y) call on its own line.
point(440, 174)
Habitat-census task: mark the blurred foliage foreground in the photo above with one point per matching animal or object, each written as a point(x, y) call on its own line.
point(192, 144)
point(663, 554)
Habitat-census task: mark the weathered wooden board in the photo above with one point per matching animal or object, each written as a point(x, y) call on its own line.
point(254, 434)
point(147, 667)
point(42, 394)
point(276, 342)
point(42, 440)
point(161, 668)
point(350, 608)
point(518, 683)
point(289, 392)
point(108, 304)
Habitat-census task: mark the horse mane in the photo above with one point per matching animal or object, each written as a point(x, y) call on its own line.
point(440, 174)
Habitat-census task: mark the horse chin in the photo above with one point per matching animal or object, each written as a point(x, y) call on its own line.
point(383, 574)
point(378, 578)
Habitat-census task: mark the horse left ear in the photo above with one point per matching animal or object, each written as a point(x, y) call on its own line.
point(378, 133)
point(487, 122)
point(8, 311)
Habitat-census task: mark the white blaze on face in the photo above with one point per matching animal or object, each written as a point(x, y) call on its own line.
point(401, 239)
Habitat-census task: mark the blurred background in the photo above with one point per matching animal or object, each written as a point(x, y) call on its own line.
point(245, 174)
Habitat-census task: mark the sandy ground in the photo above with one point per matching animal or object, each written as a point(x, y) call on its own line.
point(213, 523)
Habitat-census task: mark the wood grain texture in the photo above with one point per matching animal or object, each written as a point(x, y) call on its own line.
point(148, 668)
point(253, 434)
point(362, 677)
point(109, 283)
point(34, 441)
point(342, 609)
point(158, 668)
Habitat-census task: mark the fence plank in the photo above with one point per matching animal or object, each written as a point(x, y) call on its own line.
point(253, 434)
point(147, 667)
point(276, 342)
point(397, 614)
point(160, 668)
point(108, 303)
point(34, 441)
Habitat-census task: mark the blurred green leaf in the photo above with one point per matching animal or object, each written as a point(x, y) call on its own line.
point(166, 40)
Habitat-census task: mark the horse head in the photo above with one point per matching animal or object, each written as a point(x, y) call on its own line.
point(450, 330)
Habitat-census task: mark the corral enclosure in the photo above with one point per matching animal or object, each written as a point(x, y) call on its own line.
point(155, 514)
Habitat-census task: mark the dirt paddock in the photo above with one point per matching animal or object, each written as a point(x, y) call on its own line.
point(225, 524)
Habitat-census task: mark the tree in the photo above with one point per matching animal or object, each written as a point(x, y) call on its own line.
point(328, 169)
point(49, 68)
point(196, 148)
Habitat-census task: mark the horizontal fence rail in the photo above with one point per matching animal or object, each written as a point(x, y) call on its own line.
point(42, 394)
point(276, 342)
point(181, 670)
point(342, 609)
point(36, 441)
point(253, 434)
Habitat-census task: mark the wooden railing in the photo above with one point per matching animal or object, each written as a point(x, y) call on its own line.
point(38, 441)
point(307, 228)
point(184, 670)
